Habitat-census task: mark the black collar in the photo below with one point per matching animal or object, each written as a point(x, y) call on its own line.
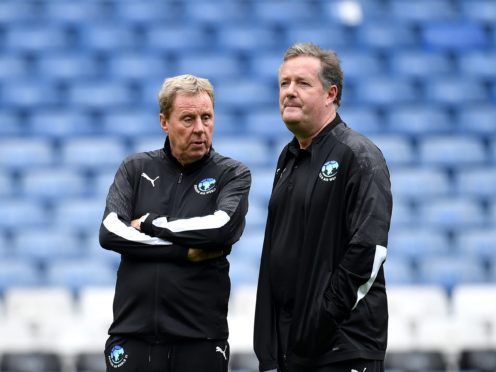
point(190, 167)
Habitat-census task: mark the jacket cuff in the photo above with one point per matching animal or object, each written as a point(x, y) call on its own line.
point(146, 225)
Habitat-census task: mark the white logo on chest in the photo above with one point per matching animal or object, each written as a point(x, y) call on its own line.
point(146, 177)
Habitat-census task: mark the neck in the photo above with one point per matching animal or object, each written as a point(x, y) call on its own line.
point(306, 141)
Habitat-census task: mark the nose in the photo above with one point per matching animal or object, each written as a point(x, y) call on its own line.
point(198, 126)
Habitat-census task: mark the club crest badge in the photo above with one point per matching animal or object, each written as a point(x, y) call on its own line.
point(329, 171)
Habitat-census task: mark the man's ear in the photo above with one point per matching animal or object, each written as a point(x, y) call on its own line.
point(164, 124)
point(332, 94)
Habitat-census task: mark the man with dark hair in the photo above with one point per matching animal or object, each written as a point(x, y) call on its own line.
point(173, 215)
point(321, 300)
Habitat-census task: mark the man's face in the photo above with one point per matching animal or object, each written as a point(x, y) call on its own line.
point(190, 127)
point(303, 102)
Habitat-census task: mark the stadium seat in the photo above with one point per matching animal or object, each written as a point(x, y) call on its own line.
point(35, 37)
point(22, 153)
point(53, 184)
point(251, 151)
point(106, 36)
point(30, 93)
point(7, 186)
point(12, 125)
point(208, 12)
point(478, 182)
point(363, 119)
point(452, 91)
point(451, 213)
point(477, 243)
point(266, 123)
point(72, 12)
point(390, 35)
point(397, 149)
point(452, 151)
point(419, 120)
point(93, 152)
point(261, 185)
point(385, 90)
point(147, 12)
point(478, 64)
point(211, 66)
point(449, 272)
point(479, 10)
point(42, 246)
point(242, 273)
point(12, 11)
point(420, 11)
point(60, 123)
point(130, 123)
point(149, 143)
point(22, 212)
point(242, 37)
point(256, 217)
point(456, 36)
point(477, 118)
point(101, 94)
point(248, 249)
point(357, 64)
point(101, 183)
point(420, 183)
point(33, 361)
point(176, 39)
point(17, 273)
point(265, 65)
point(77, 274)
point(245, 94)
point(13, 67)
point(474, 301)
point(481, 359)
point(399, 271)
point(80, 215)
point(67, 66)
point(421, 64)
point(131, 65)
point(417, 244)
point(403, 214)
point(276, 11)
point(325, 34)
point(94, 304)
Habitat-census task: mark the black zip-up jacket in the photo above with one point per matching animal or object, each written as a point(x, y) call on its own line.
point(339, 307)
point(159, 294)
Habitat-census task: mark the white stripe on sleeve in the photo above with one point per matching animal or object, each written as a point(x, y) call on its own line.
point(212, 221)
point(379, 258)
point(116, 226)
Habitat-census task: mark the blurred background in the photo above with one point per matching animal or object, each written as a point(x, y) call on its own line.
point(78, 92)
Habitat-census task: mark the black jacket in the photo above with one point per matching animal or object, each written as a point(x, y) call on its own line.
point(339, 307)
point(158, 292)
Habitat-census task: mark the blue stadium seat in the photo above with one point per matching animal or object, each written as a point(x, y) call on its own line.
point(228, 123)
point(256, 218)
point(252, 151)
point(266, 123)
point(422, 64)
point(385, 90)
point(7, 186)
point(477, 243)
point(261, 185)
point(363, 119)
point(211, 66)
point(37, 37)
point(130, 123)
point(73, 12)
point(67, 65)
point(357, 64)
point(453, 91)
point(217, 13)
point(60, 123)
point(12, 12)
point(478, 63)
point(80, 215)
point(403, 215)
point(451, 213)
point(101, 183)
point(456, 36)
point(13, 66)
point(136, 65)
point(248, 249)
point(22, 153)
point(92, 250)
point(265, 65)
point(420, 183)
point(390, 35)
point(30, 93)
point(477, 118)
point(417, 244)
point(53, 184)
point(43, 246)
point(423, 10)
point(246, 38)
point(419, 120)
point(479, 182)
point(12, 124)
point(243, 273)
point(324, 34)
point(93, 152)
point(107, 36)
point(397, 149)
point(76, 274)
point(176, 39)
point(22, 212)
point(283, 11)
point(101, 94)
point(149, 143)
point(449, 272)
point(245, 94)
point(479, 10)
point(148, 12)
point(452, 151)
point(17, 273)
point(399, 271)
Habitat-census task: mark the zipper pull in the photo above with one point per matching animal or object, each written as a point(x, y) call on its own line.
point(180, 178)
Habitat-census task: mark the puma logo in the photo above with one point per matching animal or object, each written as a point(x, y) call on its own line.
point(146, 177)
point(223, 352)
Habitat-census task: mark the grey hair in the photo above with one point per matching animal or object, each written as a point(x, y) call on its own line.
point(330, 71)
point(182, 84)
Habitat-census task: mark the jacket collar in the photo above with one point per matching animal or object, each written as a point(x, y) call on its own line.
point(167, 153)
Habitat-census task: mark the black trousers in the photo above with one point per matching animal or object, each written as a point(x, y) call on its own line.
point(354, 365)
point(128, 354)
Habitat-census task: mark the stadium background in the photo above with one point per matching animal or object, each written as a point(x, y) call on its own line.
point(78, 87)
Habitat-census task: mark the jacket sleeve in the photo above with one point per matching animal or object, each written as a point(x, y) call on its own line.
point(118, 235)
point(368, 215)
point(219, 229)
